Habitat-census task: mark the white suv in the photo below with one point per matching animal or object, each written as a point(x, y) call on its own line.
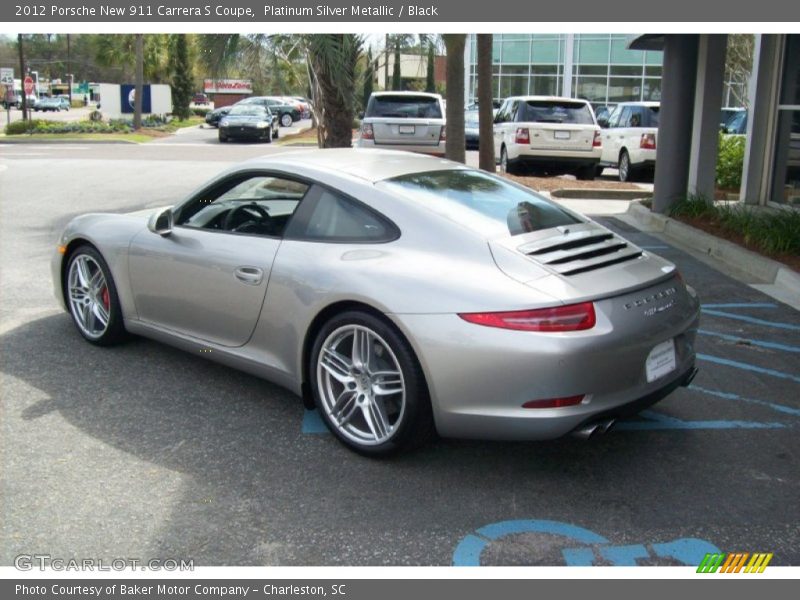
point(556, 135)
point(412, 121)
point(629, 139)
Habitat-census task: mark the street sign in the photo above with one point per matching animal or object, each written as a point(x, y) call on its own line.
point(7, 75)
point(28, 84)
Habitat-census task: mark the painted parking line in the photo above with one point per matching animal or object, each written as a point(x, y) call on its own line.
point(312, 423)
point(789, 410)
point(747, 367)
point(654, 247)
point(655, 421)
point(750, 341)
point(742, 305)
point(591, 547)
point(753, 320)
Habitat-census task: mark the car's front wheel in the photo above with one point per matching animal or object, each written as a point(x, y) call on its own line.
point(92, 298)
point(286, 120)
point(624, 166)
point(368, 385)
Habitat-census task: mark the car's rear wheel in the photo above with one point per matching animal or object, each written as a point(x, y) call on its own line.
point(286, 120)
point(92, 298)
point(368, 385)
point(507, 165)
point(624, 166)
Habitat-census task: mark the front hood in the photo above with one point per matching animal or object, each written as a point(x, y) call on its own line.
point(239, 121)
point(579, 262)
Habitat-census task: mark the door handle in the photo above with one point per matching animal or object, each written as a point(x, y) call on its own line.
point(249, 275)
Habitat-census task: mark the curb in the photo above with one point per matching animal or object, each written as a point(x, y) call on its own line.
point(601, 194)
point(33, 140)
point(756, 266)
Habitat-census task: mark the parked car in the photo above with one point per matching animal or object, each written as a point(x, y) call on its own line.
point(213, 117)
point(45, 104)
point(248, 122)
point(630, 137)
point(411, 121)
point(287, 113)
point(200, 98)
point(471, 130)
point(65, 104)
point(555, 135)
point(736, 123)
point(406, 294)
point(305, 106)
point(12, 99)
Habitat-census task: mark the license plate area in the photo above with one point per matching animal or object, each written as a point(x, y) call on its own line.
point(407, 129)
point(561, 135)
point(661, 360)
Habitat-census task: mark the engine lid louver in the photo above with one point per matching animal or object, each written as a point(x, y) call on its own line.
point(571, 253)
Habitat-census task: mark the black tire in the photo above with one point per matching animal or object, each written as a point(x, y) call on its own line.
point(414, 425)
point(114, 331)
point(286, 120)
point(624, 168)
point(507, 165)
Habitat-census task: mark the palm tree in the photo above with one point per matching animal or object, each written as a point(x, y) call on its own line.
point(333, 59)
point(455, 44)
point(485, 98)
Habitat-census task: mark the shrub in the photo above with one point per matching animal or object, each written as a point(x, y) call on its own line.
point(730, 161)
point(20, 127)
point(201, 112)
point(42, 126)
point(95, 115)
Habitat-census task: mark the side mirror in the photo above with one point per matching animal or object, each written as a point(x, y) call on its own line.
point(161, 222)
point(603, 122)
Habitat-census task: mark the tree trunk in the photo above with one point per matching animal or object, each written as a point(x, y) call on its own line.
point(455, 44)
point(137, 102)
point(397, 82)
point(485, 97)
point(430, 75)
point(22, 78)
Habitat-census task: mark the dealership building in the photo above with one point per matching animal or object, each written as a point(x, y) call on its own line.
point(686, 74)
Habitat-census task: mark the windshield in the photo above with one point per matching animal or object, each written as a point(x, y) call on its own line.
point(482, 202)
point(250, 110)
point(404, 106)
point(549, 111)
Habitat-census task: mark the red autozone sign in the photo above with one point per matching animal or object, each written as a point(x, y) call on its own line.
point(227, 86)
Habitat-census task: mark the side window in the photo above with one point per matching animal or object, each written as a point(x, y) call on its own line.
point(332, 217)
point(257, 204)
point(500, 117)
point(513, 113)
point(625, 118)
point(636, 118)
point(613, 120)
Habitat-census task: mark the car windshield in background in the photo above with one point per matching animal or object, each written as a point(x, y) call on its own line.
point(547, 111)
point(471, 119)
point(480, 201)
point(248, 110)
point(404, 107)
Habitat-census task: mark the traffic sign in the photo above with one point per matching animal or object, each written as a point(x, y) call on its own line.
point(6, 75)
point(28, 84)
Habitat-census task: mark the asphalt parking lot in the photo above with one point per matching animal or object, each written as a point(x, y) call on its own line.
point(143, 451)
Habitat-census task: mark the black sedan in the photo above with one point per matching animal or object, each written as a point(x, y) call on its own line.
point(248, 122)
point(213, 117)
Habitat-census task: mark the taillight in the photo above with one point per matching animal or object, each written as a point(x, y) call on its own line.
point(598, 140)
point(648, 141)
point(523, 136)
point(573, 317)
point(366, 132)
point(554, 402)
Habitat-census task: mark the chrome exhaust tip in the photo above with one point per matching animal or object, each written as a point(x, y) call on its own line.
point(594, 428)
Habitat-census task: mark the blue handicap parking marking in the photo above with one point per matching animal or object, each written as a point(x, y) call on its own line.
point(592, 548)
point(750, 342)
point(781, 408)
point(747, 367)
point(655, 421)
point(312, 423)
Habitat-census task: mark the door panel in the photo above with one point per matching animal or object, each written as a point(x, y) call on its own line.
point(206, 284)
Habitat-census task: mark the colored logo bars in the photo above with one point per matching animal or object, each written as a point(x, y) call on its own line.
point(734, 562)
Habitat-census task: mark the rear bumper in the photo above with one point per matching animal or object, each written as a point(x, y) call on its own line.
point(433, 149)
point(479, 377)
point(562, 158)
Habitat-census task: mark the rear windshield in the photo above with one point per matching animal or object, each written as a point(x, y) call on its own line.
point(482, 202)
point(404, 107)
point(548, 111)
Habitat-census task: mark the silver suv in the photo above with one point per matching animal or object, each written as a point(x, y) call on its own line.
point(412, 121)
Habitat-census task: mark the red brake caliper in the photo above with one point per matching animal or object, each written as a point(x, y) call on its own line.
point(106, 301)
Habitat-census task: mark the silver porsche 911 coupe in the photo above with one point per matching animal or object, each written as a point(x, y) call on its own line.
point(399, 294)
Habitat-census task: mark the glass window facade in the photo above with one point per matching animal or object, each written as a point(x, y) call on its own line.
point(599, 66)
point(786, 174)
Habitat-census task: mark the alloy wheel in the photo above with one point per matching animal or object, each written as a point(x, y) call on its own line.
point(89, 297)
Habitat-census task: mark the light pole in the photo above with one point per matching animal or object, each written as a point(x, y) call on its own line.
point(71, 78)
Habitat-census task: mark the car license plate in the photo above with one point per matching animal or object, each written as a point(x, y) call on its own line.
point(407, 129)
point(661, 360)
point(561, 135)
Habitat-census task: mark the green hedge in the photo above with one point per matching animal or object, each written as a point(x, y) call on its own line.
point(730, 161)
point(201, 112)
point(43, 126)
